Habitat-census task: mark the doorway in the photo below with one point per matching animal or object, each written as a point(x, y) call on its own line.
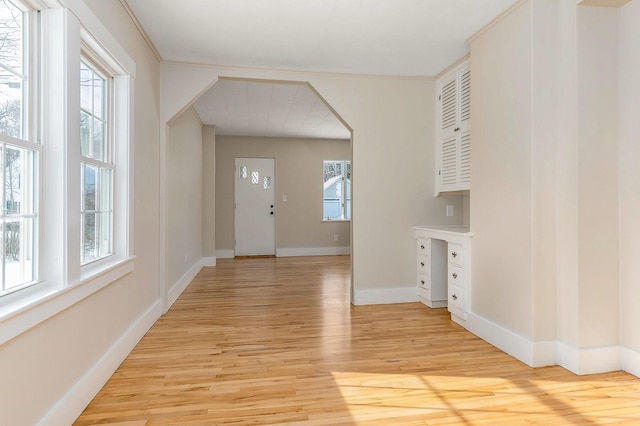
point(254, 207)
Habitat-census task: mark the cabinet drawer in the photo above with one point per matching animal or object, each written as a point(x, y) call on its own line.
point(455, 275)
point(423, 265)
point(456, 298)
point(455, 254)
point(423, 247)
point(424, 282)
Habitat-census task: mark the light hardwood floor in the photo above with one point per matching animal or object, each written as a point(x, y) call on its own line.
point(275, 341)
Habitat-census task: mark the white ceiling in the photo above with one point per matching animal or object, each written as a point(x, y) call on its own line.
point(265, 109)
point(373, 37)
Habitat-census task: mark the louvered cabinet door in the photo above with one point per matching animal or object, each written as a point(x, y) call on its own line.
point(453, 134)
point(464, 137)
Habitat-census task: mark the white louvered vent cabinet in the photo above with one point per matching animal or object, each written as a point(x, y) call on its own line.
point(453, 135)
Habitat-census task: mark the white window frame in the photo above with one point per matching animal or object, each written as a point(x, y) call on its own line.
point(344, 209)
point(106, 163)
point(28, 140)
point(67, 31)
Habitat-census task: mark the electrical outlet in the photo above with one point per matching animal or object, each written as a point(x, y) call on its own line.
point(449, 210)
point(335, 237)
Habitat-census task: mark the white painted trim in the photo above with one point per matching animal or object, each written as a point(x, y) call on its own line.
point(544, 353)
point(34, 312)
point(70, 406)
point(312, 251)
point(589, 360)
point(539, 354)
point(381, 296)
point(208, 261)
point(178, 287)
point(225, 254)
point(503, 339)
point(94, 26)
point(630, 361)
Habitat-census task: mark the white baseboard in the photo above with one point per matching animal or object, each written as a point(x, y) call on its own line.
point(539, 354)
point(589, 360)
point(312, 251)
point(296, 251)
point(70, 406)
point(507, 341)
point(225, 254)
point(385, 295)
point(177, 288)
point(630, 361)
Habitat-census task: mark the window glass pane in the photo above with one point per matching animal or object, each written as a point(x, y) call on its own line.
point(88, 236)
point(86, 87)
point(98, 96)
point(255, 178)
point(332, 178)
point(98, 140)
point(11, 34)
point(93, 135)
point(17, 244)
point(105, 190)
point(11, 106)
point(85, 134)
point(12, 180)
point(89, 187)
point(104, 233)
point(12, 74)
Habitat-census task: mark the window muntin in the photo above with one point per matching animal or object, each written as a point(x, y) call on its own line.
point(336, 190)
point(96, 166)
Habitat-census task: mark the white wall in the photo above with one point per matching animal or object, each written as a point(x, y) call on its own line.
point(51, 371)
point(209, 194)
point(392, 122)
point(551, 263)
point(501, 172)
point(598, 176)
point(629, 176)
point(184, 184)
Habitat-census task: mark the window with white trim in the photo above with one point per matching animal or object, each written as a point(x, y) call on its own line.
point(336, 190)
point(96, 165)
point(18, 147)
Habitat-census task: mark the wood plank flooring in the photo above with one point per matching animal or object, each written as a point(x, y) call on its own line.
point(275, 341)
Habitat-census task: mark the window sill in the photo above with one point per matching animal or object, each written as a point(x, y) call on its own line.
point(45, 300)
point(335, 220)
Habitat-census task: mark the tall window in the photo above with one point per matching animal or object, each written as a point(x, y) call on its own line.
point(336, 200)
point(18, 150)
point(96, 165)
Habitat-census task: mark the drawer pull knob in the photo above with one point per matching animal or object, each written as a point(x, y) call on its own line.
point(454, 297)
point(454, 275)
point(422, 264)
point(454, 254)
point(422, 282)
point(422, 246)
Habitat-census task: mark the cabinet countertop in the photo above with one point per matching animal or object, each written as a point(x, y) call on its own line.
point(451, 229)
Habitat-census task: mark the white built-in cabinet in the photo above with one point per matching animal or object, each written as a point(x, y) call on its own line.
point(453, 133)
point(443, 257)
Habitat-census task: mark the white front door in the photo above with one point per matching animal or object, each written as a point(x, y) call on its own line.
point(255, 207)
